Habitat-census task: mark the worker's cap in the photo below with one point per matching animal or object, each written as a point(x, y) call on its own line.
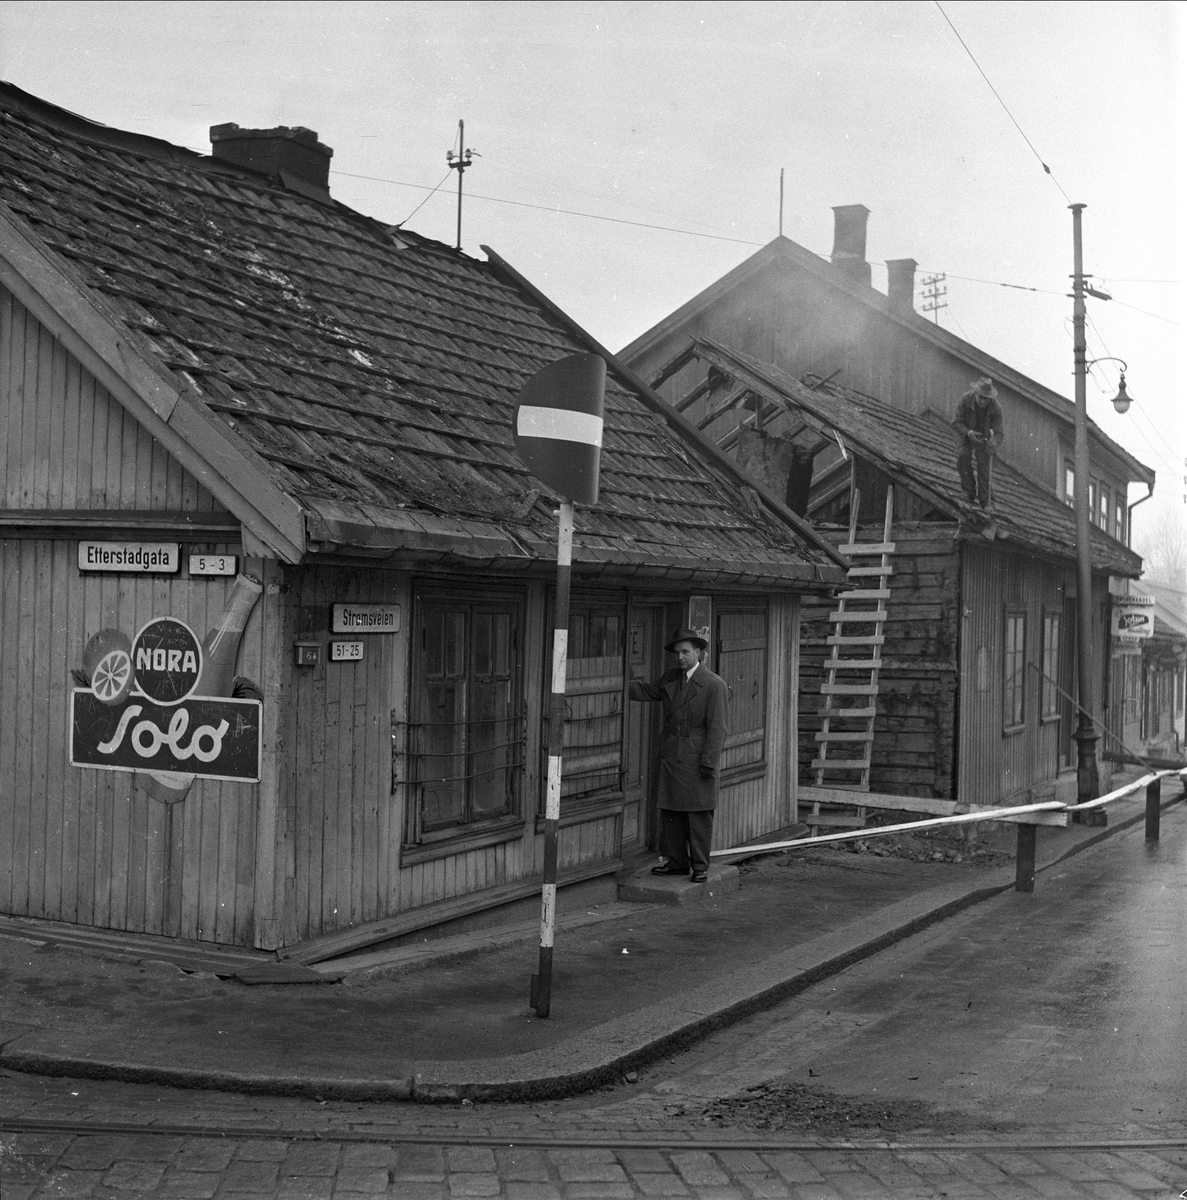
point(686, 635)
point(984, 387)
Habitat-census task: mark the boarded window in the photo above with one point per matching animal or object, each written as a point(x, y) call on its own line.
point(465, 742)
point(1052, 638)
point(1014, 673)
point(591, 768)
point(742, 663)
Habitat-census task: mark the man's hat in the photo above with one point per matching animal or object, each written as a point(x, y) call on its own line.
point(686, 635)
point(984, 387)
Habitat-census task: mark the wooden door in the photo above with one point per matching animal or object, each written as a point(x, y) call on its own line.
point(644, 655)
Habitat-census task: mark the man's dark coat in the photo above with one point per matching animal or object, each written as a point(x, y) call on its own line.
point(693, 735)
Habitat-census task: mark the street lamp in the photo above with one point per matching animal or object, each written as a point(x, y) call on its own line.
point(1122, 400)
point(1087, 774)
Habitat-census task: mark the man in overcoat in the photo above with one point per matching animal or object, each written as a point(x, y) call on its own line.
point(695, 704)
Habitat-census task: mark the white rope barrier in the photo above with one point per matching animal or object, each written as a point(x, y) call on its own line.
point(980, 814)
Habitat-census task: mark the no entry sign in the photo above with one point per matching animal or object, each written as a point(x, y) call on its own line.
point(558, 425)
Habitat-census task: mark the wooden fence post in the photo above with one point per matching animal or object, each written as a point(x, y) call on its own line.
point(1153, 809)
point(1024, 860)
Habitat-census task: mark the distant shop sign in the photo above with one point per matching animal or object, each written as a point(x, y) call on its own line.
point(1133, 617)
point(146, 558)
point(365, 618)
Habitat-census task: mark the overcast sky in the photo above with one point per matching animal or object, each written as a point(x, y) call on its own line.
point(628, 154)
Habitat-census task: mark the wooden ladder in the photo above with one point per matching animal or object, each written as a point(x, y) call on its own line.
point(849, 692)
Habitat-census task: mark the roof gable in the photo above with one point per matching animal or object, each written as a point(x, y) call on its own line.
point(919, 452)
point(784, 257)
point(341, 384)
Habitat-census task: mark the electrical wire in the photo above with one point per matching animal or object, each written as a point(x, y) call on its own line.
point(425, 201)
point(566, 212)
point(994, 90)
point(513, 168)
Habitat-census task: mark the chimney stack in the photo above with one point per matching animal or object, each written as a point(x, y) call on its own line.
point(849, 241)
point(900, 282)
point(293, 151)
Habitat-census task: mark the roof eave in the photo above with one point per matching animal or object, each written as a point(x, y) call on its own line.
point(408, 539)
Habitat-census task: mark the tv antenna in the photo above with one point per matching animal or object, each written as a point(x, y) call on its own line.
point(458, 162)
point(933, 295)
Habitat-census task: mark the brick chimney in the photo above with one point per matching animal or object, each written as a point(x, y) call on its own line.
point(900, 282)
point(293, 151)
point(849, 241)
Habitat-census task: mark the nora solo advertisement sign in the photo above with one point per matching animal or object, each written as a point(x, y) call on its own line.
point(205, 736)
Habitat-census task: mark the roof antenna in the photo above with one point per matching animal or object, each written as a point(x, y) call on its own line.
point(459, 162)
point(780, 201)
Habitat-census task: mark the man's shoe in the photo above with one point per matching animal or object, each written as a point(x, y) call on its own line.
point(700, 876)
point(667, 869)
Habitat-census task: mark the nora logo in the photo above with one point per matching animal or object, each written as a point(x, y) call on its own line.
point(167, 660)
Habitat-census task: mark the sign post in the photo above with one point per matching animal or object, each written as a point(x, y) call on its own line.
point(558, 433)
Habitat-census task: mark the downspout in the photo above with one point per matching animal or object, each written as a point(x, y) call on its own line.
point(1129, 515)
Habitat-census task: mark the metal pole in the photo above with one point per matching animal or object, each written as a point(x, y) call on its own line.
point(1087, 776)
point(541, 989)
point(461, 170)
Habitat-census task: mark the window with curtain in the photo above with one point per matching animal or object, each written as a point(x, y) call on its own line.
point(465, 739)
point(591, 767)
point(1014, 671)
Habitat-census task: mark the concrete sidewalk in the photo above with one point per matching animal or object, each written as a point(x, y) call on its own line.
point(451, 1019)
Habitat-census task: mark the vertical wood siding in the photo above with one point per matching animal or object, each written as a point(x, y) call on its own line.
point(89, 846)
point(65, 443)
point(998, 766)
point(340, 824)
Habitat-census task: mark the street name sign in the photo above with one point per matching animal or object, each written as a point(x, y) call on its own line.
point(152, 558)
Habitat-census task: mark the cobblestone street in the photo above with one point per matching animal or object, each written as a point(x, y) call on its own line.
point(195, 1168)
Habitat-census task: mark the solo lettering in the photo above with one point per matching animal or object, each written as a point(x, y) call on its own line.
point(205, 743)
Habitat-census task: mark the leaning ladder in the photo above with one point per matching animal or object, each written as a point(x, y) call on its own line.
point(849, 692)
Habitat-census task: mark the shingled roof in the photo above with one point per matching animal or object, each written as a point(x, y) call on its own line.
point(342, 385)
point(919, 452)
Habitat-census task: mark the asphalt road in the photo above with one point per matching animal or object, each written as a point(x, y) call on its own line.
point(1032, 1046)
point(1063, 1010)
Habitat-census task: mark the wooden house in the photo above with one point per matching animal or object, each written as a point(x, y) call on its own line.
point(276, 586)
point(1151, 673)
point(946, 670)
point(818, 320)
point(787, 306)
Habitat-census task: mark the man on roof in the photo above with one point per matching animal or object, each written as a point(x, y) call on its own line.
point(695, 720)
point(978, 424)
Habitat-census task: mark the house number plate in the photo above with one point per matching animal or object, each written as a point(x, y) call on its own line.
point(346, 652)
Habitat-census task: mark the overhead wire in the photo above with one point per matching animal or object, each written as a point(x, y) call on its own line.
point(567, 212)
point(1000, 101)
point(424, 201)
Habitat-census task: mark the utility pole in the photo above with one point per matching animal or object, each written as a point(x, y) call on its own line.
point(459, 162)
point(933, 295)
point(1087, 773)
